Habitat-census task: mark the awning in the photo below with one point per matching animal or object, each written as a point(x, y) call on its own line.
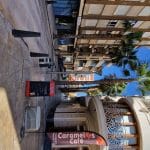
point(76, 138)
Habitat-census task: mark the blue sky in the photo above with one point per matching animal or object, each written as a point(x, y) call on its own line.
point(131, 89)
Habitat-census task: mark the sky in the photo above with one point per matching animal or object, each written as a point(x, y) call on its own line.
point(143, 54)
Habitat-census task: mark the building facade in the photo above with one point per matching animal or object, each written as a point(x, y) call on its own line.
point(124, 122)
point(100, 29)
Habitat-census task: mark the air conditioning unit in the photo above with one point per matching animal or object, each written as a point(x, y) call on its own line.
point(32, 118)
point(46, 62)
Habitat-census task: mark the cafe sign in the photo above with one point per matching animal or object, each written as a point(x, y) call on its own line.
point(76, 138)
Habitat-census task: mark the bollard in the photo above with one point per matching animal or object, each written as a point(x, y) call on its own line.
point(50, 2)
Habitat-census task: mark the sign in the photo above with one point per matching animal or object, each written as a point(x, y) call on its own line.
point(52, 88)
point(76, 138)
point(40, 88)
point(81, 77)
point(27, 92)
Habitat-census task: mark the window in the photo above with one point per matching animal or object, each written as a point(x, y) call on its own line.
point(41, 60)
point(121, 125)
point(44, 60)
point(82, 63)
point(112, 23)
point(133, 22)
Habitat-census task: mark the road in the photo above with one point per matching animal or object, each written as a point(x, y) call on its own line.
point(17, 66)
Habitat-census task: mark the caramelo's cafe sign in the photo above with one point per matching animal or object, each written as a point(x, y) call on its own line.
point(76, 138)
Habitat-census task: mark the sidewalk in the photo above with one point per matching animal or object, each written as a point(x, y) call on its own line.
point(17, 66)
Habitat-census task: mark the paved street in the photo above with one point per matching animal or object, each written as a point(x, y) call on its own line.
point(17, 66)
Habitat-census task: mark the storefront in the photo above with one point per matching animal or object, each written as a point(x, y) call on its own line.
point(116, 121)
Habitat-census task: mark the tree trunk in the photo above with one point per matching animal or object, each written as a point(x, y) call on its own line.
point(104, 81)
point(89, 36)
point(77, 89)
point(65, 90)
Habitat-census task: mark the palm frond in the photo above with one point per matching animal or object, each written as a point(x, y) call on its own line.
point(127, 25)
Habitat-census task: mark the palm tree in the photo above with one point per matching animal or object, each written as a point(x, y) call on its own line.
point(104, 89)
point(67, 90)
point(124, 58)
point(97, 82)
point(114, 89)
point(127, 25)
point(94, 92)
point(126, 53)
point(143, 78)
point(111, 90)
point(107, 86)
point(110, 86)
point(78, 89)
